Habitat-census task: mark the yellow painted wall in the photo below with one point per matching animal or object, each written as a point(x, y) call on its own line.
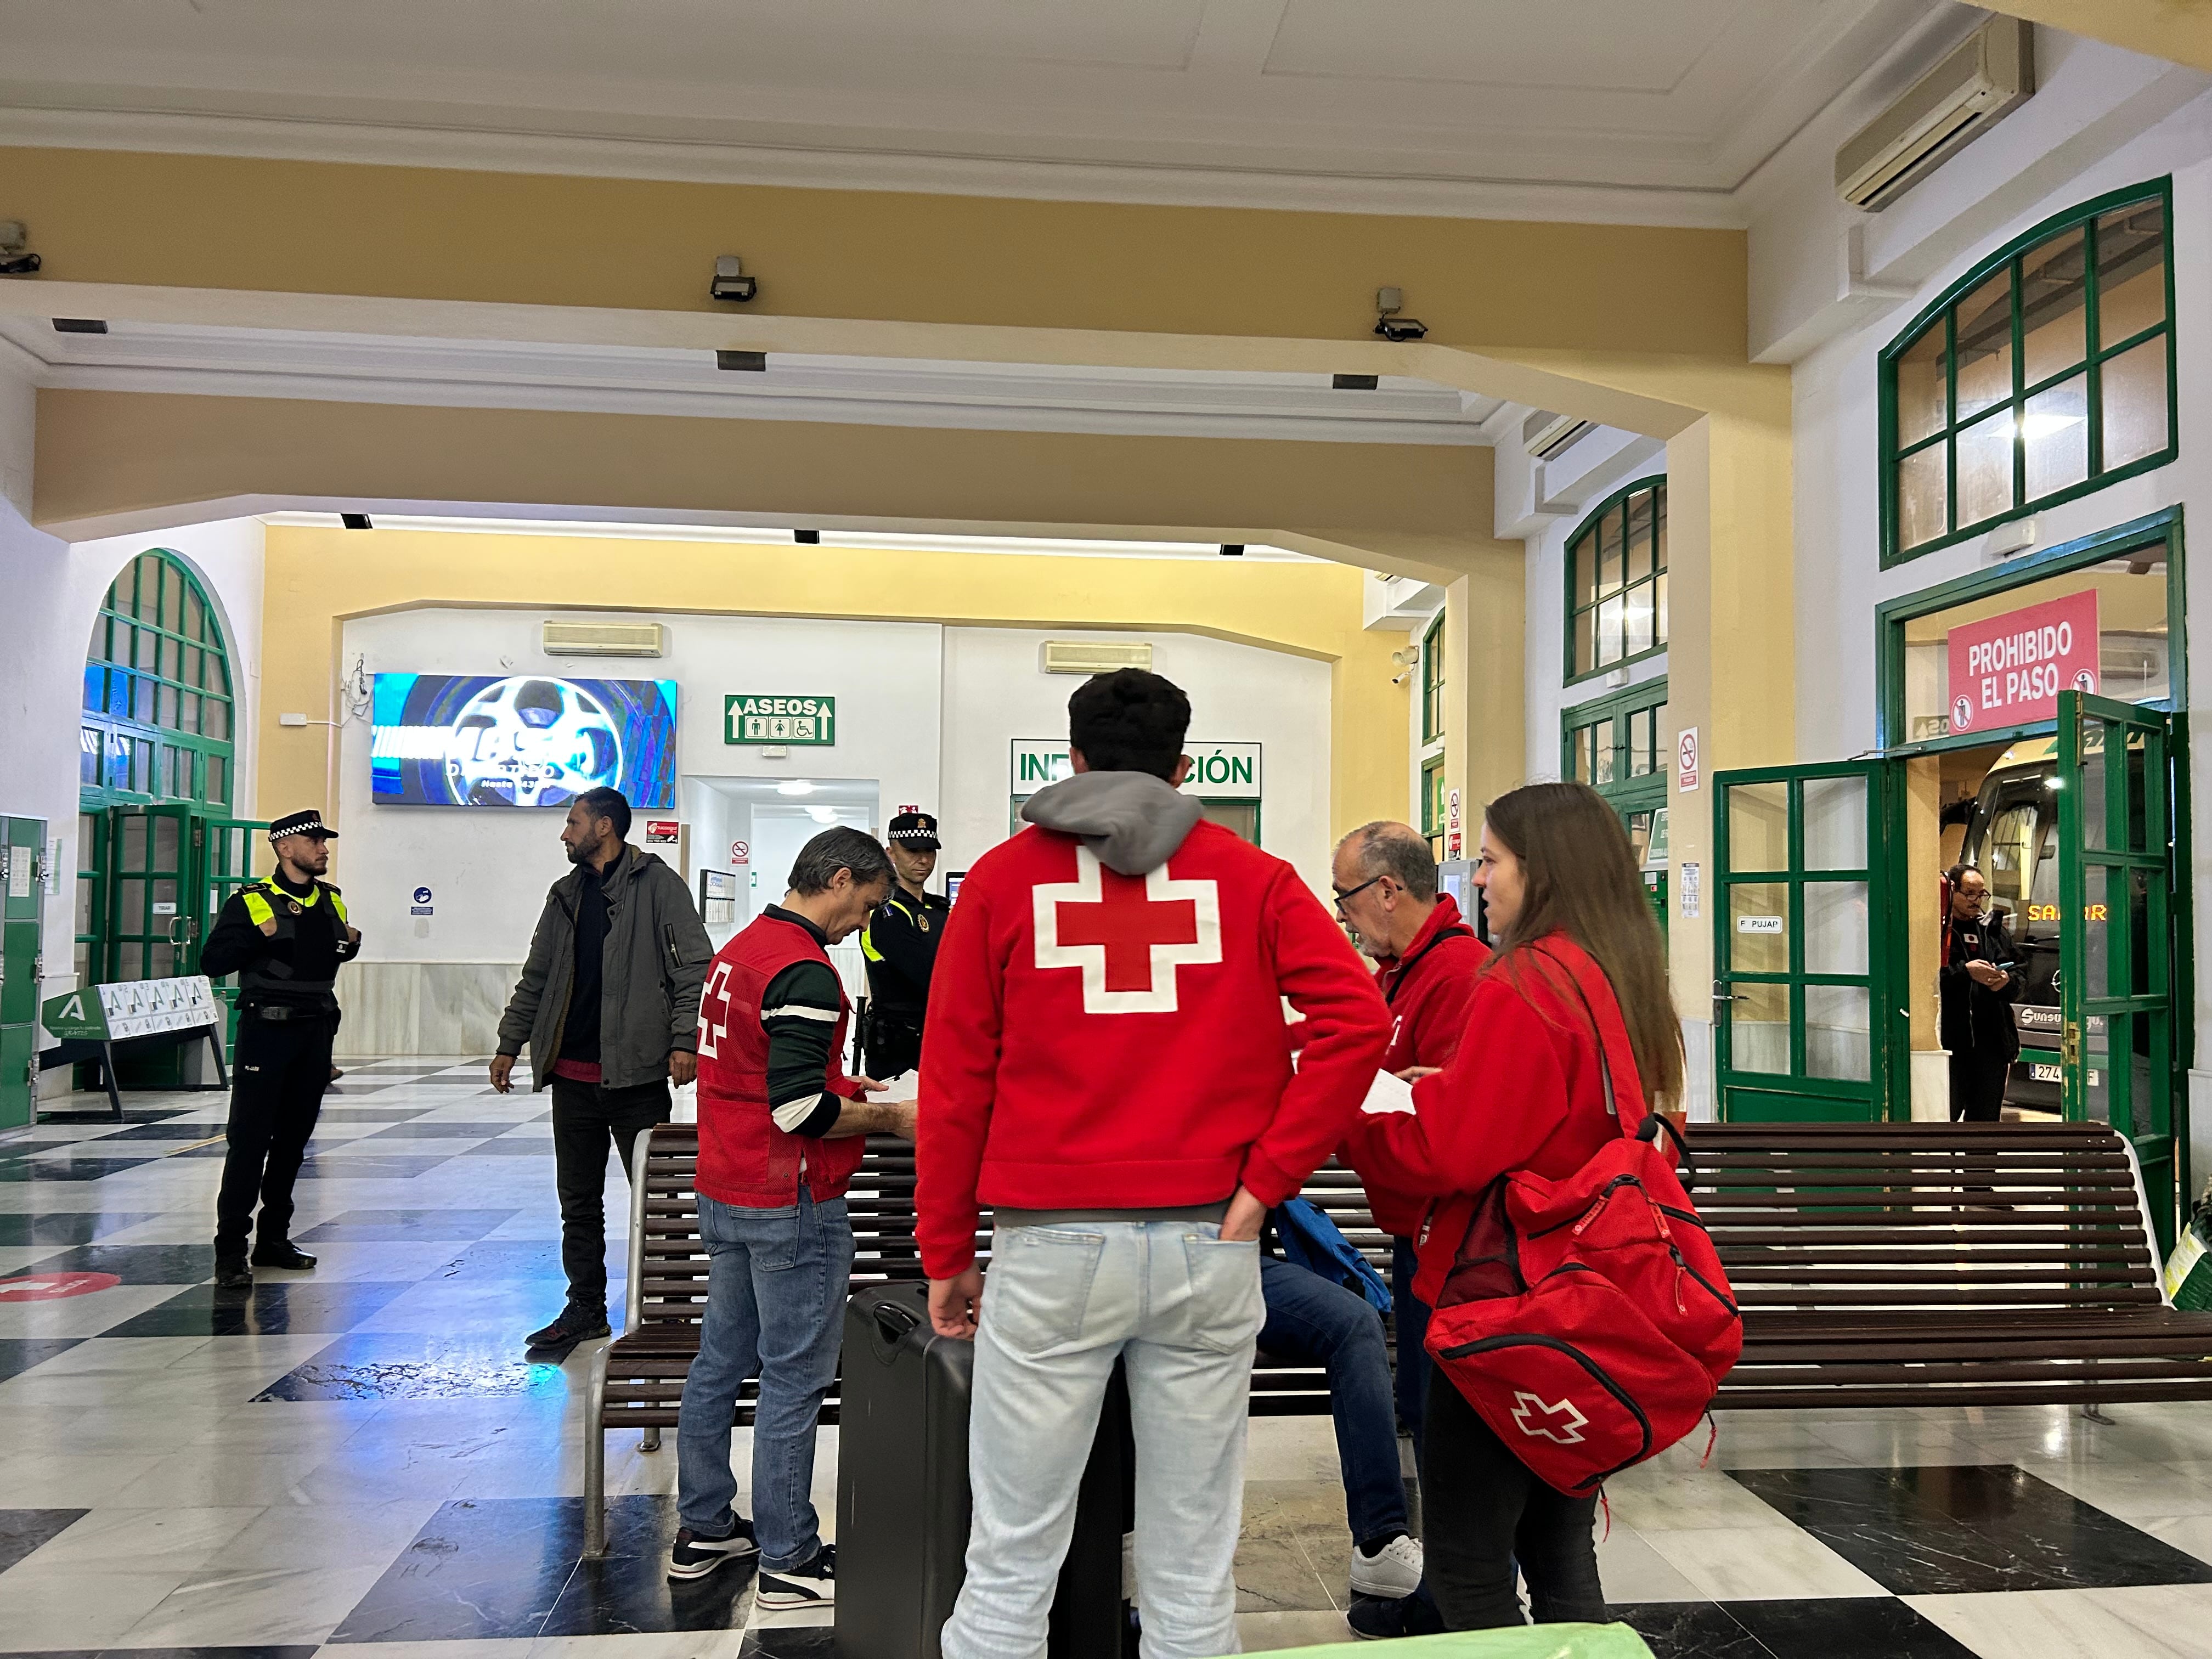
point(318, 578)
point(219, 222)
point(104, 454)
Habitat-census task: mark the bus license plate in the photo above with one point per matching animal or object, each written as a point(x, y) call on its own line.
point(2046, 1073)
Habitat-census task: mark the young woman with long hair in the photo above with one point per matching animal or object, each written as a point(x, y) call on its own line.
point(1578, 964)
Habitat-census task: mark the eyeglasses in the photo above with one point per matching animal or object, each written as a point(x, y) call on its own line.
point(1346, 894)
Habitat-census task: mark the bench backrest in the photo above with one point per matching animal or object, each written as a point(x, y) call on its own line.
point(668, 1265)
point(1862, 1217)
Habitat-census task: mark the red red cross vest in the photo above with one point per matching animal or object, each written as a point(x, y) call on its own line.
point(744, 1159)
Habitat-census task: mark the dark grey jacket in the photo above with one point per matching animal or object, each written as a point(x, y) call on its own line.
point(653, 965)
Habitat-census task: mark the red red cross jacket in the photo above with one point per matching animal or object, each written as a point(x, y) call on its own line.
point(1428, 989)
point(1102, 1041)
point(1523, 1092)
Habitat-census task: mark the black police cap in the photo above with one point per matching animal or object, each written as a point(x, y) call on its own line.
point(915, 829)
point(301, 823)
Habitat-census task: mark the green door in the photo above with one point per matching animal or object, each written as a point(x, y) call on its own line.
point(226, 863)
point(2117, 940)
point(23, 963)
point(1801, 993)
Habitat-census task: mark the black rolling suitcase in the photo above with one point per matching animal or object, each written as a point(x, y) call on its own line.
point(902, 1506)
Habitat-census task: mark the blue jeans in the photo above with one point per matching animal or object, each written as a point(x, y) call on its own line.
point(776, 1285)
point(1410, 1316)
point(1179, 1308)
point(1319, 1323)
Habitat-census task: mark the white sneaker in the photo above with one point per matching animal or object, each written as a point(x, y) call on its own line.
point(1392, 1571)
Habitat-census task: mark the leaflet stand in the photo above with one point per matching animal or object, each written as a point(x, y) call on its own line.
point(151, 1013)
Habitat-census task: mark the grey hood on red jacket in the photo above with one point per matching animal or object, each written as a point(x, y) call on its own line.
point(1132, 820)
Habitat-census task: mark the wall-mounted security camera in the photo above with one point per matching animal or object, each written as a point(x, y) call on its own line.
point(1388, 303)
point(730, 281)
point(16, 258)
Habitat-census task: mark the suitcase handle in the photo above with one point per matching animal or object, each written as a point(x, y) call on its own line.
point(893, 1324)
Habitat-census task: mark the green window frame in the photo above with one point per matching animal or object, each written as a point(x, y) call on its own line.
point(156, 724)
point(158, 720)
point(2068, 327)
point(1616, 745)
point(1616, 581)
point(1432, 681)
point(1432, 797)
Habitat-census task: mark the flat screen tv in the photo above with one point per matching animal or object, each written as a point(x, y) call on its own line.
point(521, 740)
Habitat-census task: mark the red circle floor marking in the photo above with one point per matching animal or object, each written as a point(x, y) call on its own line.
point(51, 1287)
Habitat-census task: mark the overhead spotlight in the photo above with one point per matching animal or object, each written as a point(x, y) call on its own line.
point(795, 787)
point(822, 814)
point(753, 362)
point(1388, 303)
point(1353, 382)
point(807, 538)
point(356, 521)
point(1232, 550)
point(79, 325)
point(730, 281)
point(16, 258)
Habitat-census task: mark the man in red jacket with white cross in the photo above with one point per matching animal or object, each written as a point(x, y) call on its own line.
point(1106, 1064)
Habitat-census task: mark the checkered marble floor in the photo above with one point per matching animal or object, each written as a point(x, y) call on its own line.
point(360, 1459)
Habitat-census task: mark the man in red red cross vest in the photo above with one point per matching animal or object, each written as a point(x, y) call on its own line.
point(1106, 1064)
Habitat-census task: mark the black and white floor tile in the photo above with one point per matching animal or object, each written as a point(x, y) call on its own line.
point(361, 1461)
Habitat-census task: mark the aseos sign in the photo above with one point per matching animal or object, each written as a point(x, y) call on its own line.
point(2008, 671)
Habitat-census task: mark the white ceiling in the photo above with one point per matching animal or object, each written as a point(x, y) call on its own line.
point(170, 357)
point(1609, 108)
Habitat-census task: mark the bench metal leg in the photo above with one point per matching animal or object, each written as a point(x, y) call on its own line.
point(595, 1460)
point(649, 1441)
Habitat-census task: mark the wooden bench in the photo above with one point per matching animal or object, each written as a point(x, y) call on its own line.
point(1925, 1264)
point(637, 1380)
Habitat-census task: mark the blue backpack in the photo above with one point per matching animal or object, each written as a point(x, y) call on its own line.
point(1311, 1240)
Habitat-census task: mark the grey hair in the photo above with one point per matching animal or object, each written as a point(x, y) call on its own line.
point(842, 848)
point(1398, 851)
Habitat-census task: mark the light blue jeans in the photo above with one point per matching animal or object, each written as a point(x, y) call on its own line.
point(776, 1285)
point(1181, 1309)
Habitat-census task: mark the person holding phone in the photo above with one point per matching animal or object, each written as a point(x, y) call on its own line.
point(1978, 985)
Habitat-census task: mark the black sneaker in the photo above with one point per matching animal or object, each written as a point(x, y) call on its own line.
point(814, 1585)
point(231, 1274)
point(573, 1326)
point(694, 1556)
point(283, 1254)
point(1376, 1618)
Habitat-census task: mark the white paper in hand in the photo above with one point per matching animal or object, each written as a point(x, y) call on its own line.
point(906, 1086)
point(1387, 1094)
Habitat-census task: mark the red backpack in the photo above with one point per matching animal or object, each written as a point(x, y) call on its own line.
point(1588, 1320)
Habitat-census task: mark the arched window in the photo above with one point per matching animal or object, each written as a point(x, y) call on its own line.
point(1617, 581)
point(2043, 374)
point(158, 717)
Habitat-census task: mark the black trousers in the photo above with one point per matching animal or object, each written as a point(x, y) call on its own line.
point(586, 1117)
point(1482, 1509)
point(1977, 1085)
point(277, 1079)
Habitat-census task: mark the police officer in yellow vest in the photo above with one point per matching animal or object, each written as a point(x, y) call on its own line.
point(284, 936)
point(900, 944)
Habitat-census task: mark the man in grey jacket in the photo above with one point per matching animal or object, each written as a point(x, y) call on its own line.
point(609, 1003)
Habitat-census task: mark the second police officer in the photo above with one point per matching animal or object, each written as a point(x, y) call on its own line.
point(900, 944)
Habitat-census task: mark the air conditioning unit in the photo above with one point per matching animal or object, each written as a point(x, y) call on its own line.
point(1985, 79)
point(1095, 656)
point(1543, 435)
point(605, 638)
